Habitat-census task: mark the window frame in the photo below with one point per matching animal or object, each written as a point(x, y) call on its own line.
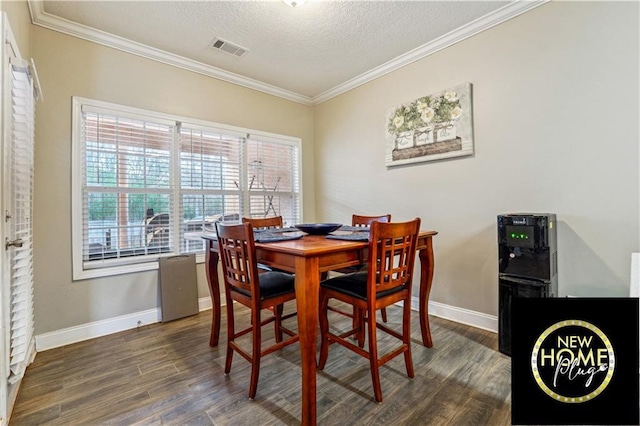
point(108, 267)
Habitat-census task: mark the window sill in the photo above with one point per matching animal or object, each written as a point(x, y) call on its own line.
point(122, 269)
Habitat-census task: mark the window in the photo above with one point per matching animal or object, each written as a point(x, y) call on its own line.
point(147, 184)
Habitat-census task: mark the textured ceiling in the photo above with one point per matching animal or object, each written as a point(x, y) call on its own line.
point(306, 50)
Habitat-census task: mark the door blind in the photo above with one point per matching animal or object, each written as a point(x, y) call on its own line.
point(21, 256)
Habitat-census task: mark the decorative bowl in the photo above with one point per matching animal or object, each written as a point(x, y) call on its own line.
point(318, 228)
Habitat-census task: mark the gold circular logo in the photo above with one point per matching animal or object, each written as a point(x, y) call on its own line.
point(573, 361)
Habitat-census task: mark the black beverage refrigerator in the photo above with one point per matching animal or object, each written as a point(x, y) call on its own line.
point(527, 264)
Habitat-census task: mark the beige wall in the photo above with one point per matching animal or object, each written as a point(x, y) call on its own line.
point(20, 21)
point(555, 97)
point(72, 67)
point(556, 129)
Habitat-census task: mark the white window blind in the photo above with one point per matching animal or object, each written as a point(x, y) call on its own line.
point(210, 170)
point(21, 255)
point(152, 183)
point(127, 191)
point(273, 186)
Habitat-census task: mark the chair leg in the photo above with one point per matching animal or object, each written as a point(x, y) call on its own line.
point(230, 337)
point(324, 329)
point(406, 338)
point(354, 323)
point(227, 363)
point(255, 356)
point(359, 324)
point(373, 355)
point(277, 312)
point(384, 314)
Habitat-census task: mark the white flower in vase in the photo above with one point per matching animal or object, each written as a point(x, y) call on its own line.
point(450, 96)
point(456, 113)
point(422, 106)
point(427, 115)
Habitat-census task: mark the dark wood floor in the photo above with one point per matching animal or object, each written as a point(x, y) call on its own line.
point(168, 374)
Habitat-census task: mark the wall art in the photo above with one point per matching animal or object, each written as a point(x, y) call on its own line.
point(432, 127)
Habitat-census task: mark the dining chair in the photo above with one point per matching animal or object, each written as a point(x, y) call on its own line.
point(392, 251)
point(364, 221)
point(243, 284)
point(264, 223)
point(358, 220)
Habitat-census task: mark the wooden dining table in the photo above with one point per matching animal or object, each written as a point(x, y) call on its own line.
point(308, 257)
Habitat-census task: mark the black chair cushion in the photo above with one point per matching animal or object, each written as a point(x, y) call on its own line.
point(273, 284)
point(355, 285)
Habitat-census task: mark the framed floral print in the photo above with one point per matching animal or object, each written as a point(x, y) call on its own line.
point(433, 127)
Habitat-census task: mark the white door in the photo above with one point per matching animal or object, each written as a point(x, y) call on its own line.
point(4, 352)
point(16, 183)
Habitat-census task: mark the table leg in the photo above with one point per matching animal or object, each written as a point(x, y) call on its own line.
point(211, 269)
point(426, 278)
point(307, 287)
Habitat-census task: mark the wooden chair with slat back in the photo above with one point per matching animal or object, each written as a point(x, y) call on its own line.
point(392, 252)
point(244, 285)
point(358, 220)
point(364, 221)
point(264, 223)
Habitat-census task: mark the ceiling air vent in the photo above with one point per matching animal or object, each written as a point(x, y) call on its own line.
point(227, 47)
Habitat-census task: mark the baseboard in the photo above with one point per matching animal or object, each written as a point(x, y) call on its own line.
point(461, 315)
point(67, 336)
point(204, 303)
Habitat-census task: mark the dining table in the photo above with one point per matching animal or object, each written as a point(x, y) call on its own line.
point(308, 257)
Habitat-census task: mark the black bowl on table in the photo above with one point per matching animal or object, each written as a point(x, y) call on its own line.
point(318, 228)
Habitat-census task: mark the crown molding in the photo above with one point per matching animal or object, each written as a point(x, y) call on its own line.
point(43, 19)
point(483, 23)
